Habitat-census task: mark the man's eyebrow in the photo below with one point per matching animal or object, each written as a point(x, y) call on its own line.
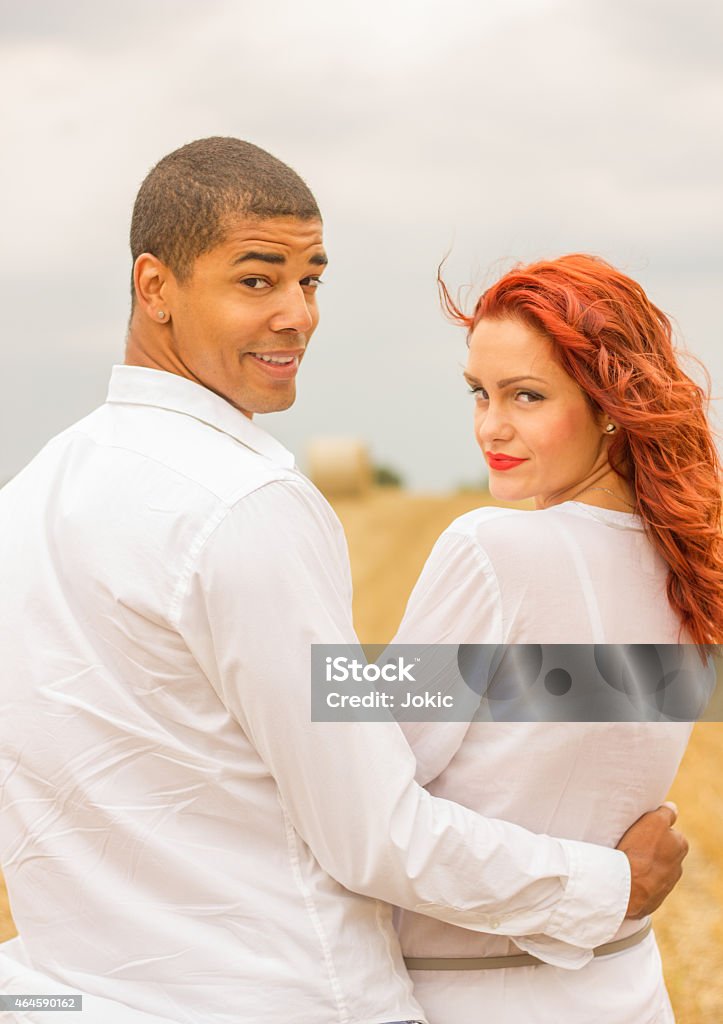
point(261, 257)
point(319, 259)
point(506, 381)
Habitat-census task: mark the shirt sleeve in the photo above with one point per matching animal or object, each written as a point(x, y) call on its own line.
point(456, 600)
point(272, 579)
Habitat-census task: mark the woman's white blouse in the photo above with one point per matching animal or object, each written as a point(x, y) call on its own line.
point(569, 574)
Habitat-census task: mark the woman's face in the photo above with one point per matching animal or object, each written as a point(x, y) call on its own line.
point(537, 432)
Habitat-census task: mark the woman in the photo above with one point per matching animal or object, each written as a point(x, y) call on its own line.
point(581, 405)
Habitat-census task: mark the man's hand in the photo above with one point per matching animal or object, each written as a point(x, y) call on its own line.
point(656, 853)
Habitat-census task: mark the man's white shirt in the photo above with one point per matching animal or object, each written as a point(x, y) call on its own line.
point(176, 833)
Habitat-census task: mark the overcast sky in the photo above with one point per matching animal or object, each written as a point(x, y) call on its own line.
point(503, 130)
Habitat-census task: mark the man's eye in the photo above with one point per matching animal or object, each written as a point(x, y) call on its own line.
point(256, 283)
point(311, 282)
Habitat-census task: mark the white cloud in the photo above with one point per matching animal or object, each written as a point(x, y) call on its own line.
point(512, 129)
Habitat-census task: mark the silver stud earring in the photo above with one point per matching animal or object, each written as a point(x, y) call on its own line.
point(610, 428)
point(161, 314)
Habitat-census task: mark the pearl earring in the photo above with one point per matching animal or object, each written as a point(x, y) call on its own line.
point(161, 314)
point(610, 428)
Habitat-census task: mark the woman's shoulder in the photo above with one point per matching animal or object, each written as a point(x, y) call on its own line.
point(470, 522)
point(535, 525)
point(511, 539)
point(490, 523)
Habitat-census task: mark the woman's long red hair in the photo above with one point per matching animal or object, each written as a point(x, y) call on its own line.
point(618, 347)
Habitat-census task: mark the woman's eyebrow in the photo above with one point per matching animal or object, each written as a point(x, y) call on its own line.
point(516, 380)
point(505, 381)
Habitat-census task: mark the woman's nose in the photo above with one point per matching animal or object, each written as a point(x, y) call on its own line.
point(492, 425)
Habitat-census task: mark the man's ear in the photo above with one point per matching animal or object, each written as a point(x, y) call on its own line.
point(151, 279)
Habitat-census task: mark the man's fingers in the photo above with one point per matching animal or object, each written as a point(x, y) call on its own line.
point(684, 844)
point(670, 810)
point(655, 851)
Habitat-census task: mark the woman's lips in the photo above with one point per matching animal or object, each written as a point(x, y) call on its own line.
point(497, 460)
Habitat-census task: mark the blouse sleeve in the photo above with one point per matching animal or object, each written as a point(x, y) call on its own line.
point(456, 600)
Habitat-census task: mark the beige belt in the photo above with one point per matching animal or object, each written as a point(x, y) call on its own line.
point(491, 963)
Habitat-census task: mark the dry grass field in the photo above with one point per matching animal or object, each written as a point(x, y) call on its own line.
point(390, 534)
point(7, 929)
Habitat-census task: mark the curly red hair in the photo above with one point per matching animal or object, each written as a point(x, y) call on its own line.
point(618, 347)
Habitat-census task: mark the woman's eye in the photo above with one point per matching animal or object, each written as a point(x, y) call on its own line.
point(255, 283)
point(526, 397)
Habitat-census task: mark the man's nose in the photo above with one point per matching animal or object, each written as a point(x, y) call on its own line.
point(294, 312)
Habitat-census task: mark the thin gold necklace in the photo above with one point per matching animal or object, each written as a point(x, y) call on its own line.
point(607, 491)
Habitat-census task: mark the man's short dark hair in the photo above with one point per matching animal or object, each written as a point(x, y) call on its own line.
point(183, 206)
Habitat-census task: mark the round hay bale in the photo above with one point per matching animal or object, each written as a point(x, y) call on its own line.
point(339, 466)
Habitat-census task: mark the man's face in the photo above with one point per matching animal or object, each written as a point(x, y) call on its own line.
point(241, 323)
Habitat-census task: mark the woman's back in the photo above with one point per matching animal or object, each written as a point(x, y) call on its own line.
point(569, 574)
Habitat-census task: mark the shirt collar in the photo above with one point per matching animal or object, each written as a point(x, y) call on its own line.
point(141, 385)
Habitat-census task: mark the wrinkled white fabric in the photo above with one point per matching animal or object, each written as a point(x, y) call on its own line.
point(568, 574)
point(17, 977)
point(176, 834)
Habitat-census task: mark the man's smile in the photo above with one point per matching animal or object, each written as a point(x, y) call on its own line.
point(279, 365)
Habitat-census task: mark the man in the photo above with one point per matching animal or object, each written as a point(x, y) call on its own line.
point(178, 837)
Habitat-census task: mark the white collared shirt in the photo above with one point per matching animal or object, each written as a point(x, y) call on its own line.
point(175, 832)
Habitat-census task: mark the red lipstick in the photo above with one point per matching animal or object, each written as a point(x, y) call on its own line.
point(498, 460)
